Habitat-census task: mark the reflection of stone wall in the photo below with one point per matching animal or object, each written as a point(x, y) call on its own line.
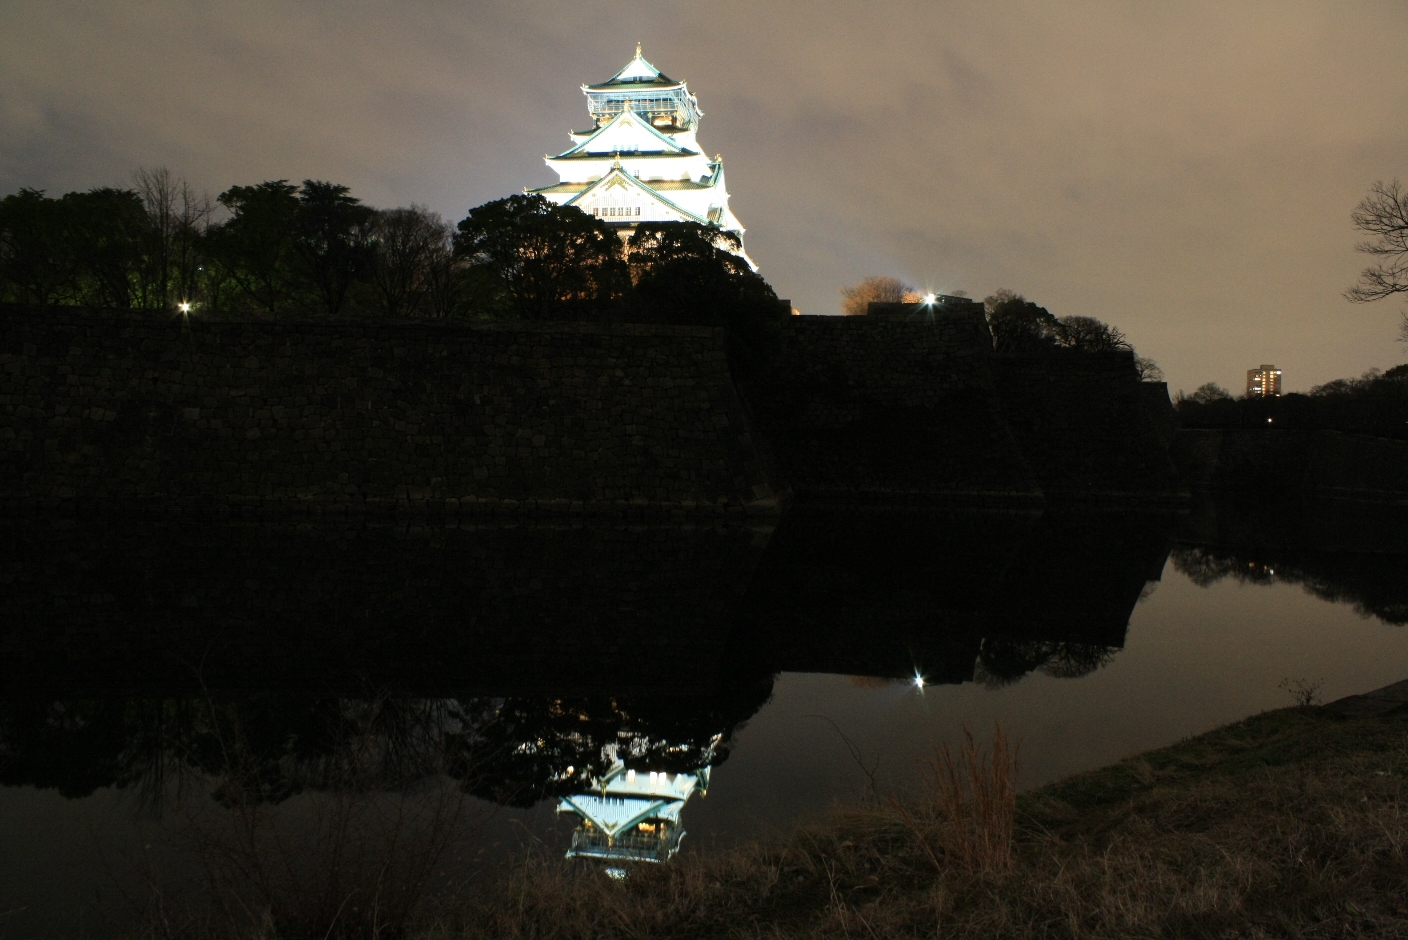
point(1344, 551)
point(1080, 575)
point(439, 416)
point(867, 408)
point(877, 593)
point(888, 593)
point(174, 605)
point(181, 602)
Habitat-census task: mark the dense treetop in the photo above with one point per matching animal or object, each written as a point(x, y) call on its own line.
point(273, 248)
point(856, 301)
point(1020, 326)
point(1376, 403)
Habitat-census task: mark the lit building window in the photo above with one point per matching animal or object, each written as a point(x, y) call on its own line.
point(1264, 382)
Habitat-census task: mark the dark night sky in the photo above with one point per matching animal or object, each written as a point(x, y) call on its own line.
point(1183, 170)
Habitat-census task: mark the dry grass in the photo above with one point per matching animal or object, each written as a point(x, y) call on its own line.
point(1291, 824)
point(343, 866)
point(353, 855)
point(967, 810)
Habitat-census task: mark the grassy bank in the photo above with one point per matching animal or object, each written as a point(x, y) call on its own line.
point(1288, 824)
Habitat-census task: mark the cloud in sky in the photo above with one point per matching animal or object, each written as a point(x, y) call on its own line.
point(1184, 171)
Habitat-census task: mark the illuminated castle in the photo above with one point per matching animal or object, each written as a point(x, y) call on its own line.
point(640, 162)
point(632, 816)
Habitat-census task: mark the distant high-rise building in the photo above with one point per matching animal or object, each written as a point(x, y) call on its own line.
point(1263, 382)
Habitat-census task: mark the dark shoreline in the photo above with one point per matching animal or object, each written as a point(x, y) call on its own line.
point(1288, 823)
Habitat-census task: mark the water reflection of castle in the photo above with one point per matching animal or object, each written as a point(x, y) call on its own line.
point(510, 689)
point(514, 690)
point(632, 815)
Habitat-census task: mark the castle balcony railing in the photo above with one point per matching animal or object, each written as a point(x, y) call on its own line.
point(635, 845)
point(677, 104)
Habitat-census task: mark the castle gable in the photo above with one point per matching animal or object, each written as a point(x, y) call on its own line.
point(626, 133)
point(620, 197)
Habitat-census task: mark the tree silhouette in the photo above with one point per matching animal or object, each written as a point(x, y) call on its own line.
point(172, 253)
point(689, 274)
point(1020, 326)
point(332, 241)
point(37, 262)
point(82, 248)
point(1090, 335)
point(553, 261)
point(409, 247)
point(107, 226)
point(255, 246)
point(1383, 215)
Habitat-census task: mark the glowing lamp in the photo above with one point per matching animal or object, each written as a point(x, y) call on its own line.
point(930, 298)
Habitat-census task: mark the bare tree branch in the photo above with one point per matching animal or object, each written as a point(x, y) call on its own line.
point(856, 301)
point(179, 219)
point(1383, 214)
point(407, 244)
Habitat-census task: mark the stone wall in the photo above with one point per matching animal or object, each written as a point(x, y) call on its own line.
point(628, 420)
point(452, 417)
point(1087, 426)
point(1320, 463)
point(887, 409)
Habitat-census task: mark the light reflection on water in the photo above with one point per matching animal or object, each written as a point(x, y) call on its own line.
point(1196, 658)
point(1013, 621)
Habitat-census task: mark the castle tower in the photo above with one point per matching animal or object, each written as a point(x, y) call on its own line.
point(632, 816)
point(640, 162)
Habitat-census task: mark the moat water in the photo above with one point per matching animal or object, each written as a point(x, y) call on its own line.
point(182, 701)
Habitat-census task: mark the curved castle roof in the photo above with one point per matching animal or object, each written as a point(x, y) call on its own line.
point(637, 73)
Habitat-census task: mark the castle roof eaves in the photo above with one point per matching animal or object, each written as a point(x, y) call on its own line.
point(621, 118)
point(653, 193)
